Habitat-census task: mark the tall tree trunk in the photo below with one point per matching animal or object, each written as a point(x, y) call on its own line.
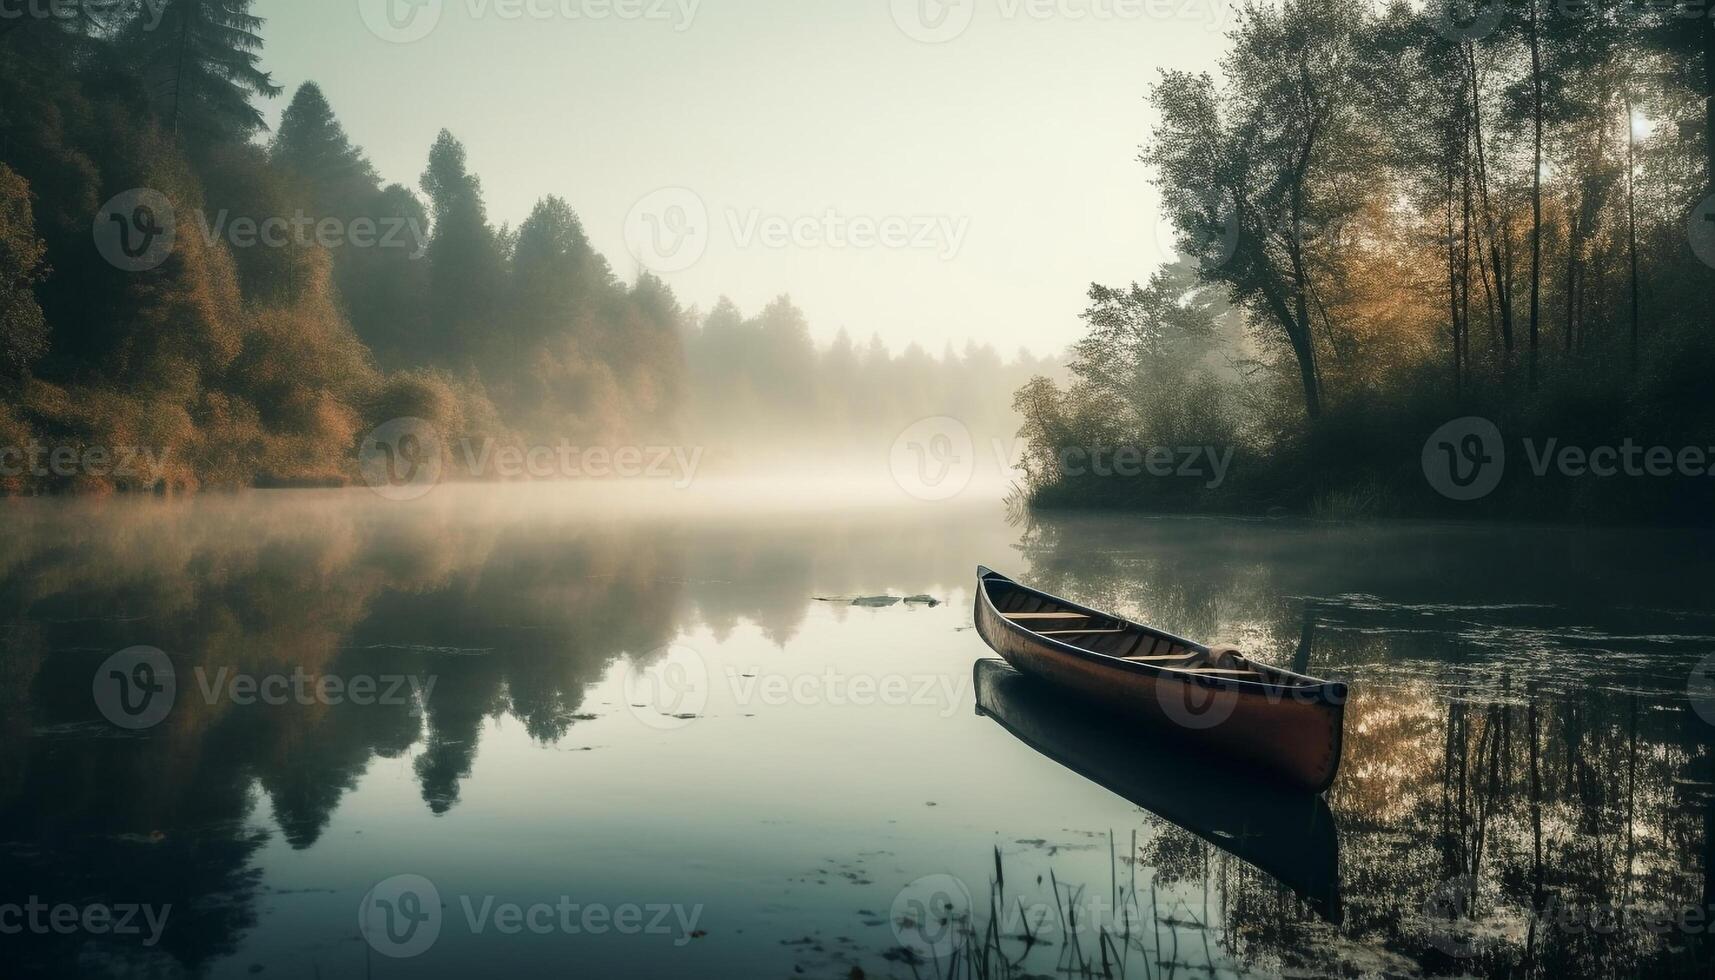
point(1584, 290)
point(1503, 297)
point(1535, 192)
point(1304, 336)
point(1297, 330)
point(1274, 292)
point(187, 12)
point(1453, 287)
point(1465, 257)
point(1632, 221)
point(1572, 236)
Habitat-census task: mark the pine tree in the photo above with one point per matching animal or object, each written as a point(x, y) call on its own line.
point(557, 278)
point(312, 146)
point(465, 259)
point(201, 62)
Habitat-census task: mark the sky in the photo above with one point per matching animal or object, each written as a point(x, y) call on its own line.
point(928, 171)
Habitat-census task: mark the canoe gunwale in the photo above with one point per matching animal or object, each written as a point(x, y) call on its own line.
point(1314, 689)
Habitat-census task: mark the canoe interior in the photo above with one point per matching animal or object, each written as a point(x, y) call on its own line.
point(1109, 636)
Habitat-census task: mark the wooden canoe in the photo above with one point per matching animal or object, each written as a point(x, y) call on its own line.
point(1282, 725)
point(1286, 833)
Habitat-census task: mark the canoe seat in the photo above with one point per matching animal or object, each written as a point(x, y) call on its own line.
point(1224, 655)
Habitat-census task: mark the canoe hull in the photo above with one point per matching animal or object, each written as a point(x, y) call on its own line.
point(1290, 735)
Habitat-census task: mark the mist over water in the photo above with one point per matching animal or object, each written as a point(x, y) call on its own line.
point(755, 711)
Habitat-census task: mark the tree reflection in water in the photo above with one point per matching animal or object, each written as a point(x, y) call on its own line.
point(1539, 748)
point(1525, 788)
point(515, 612)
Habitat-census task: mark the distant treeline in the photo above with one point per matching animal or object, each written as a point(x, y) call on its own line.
point(1419, 214)
point(764, 394)
point(303, 301)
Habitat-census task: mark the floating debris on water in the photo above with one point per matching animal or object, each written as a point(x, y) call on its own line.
point(879, 601)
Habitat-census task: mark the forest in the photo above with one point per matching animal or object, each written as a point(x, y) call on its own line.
point(1389, 217)
point(285, 299)
point(1396, 216)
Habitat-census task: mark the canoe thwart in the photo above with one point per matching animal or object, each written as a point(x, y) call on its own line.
point(1211, 670)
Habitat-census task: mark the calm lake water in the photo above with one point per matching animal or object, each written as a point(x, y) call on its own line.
point(580, 735)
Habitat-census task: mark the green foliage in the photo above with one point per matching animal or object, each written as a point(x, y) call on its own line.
point(465, 255)
point(383, 285)
point(23, 330)
point(312, 147)
point(1363, 184)
point(200, 62)
point(264, 362)
point(1155, 369)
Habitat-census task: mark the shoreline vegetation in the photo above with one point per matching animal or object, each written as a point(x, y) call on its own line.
point(1395, 219)
point(1390, 220)
point(262, 301)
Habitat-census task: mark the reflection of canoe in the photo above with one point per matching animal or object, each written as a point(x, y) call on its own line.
point(1286, 725)
point(1288, 834)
